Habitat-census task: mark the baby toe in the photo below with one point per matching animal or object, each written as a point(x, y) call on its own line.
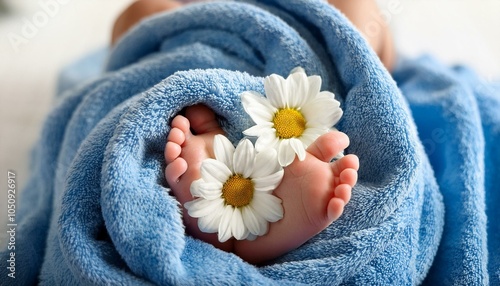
point(175, 170)
point(343, 192)
point(328, 145)
point(172, 151)
point(176, 136)
point(349, 176)
point(335, 208)
point(182, 123)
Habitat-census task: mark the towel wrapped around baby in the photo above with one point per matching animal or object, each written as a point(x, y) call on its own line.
point(97, 209)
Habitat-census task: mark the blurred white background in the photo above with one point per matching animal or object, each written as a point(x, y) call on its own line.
point(28, 70)
point(456, 31)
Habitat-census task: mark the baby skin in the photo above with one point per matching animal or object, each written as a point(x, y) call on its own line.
point(313, 191)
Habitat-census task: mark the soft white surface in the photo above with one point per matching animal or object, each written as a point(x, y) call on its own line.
point(465, 31)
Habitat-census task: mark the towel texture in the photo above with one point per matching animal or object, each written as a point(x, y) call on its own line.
point(97, 210)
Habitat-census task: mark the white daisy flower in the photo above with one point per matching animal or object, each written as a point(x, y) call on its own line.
point(234, 194)
point(294, 114)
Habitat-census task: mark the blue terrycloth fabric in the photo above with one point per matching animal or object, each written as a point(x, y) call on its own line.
point(97, 210)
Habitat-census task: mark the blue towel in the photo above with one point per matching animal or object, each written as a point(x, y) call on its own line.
point(97, 210)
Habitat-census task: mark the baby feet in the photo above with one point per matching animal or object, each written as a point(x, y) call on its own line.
point(184, 153)
point(327, 184)
point(314, 191)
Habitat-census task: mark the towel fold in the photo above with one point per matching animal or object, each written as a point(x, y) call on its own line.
point(98, 211)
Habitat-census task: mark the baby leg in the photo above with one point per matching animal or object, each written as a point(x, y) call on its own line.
point(137, 11)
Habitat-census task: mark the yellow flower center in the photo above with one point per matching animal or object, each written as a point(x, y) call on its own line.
point(237, 191)
point(289, 123)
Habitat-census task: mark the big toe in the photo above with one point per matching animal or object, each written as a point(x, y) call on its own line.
point(203, 120)
point(328, 145)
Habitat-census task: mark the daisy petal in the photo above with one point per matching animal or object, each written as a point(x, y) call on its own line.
point(244, 158)
point(266, 163)
point(237, 226)
point(211, 222)
point(266, 140)
point(307, 138)
point(268, 183)
point(264, 227)
point(314, 85)
point(323, 110)
point(329, 96)
point(225, 224)
point(298, 69)
point(201, 207)
point(195, 187)
point(330, 110)
point(286, 154)
point(276, 89)
point(311, 134)
point(333, 117)
point(261, 115)
point(223, 150)
point(214, 171)
point(250, 219)
point(299, 85)
point(299, 148)
point(251, 236)
point(208, 190)
point(315, 130)
point(268, 206)
point(259, 129)
point(257, 106)
point(192, 205)
point(259, 227)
